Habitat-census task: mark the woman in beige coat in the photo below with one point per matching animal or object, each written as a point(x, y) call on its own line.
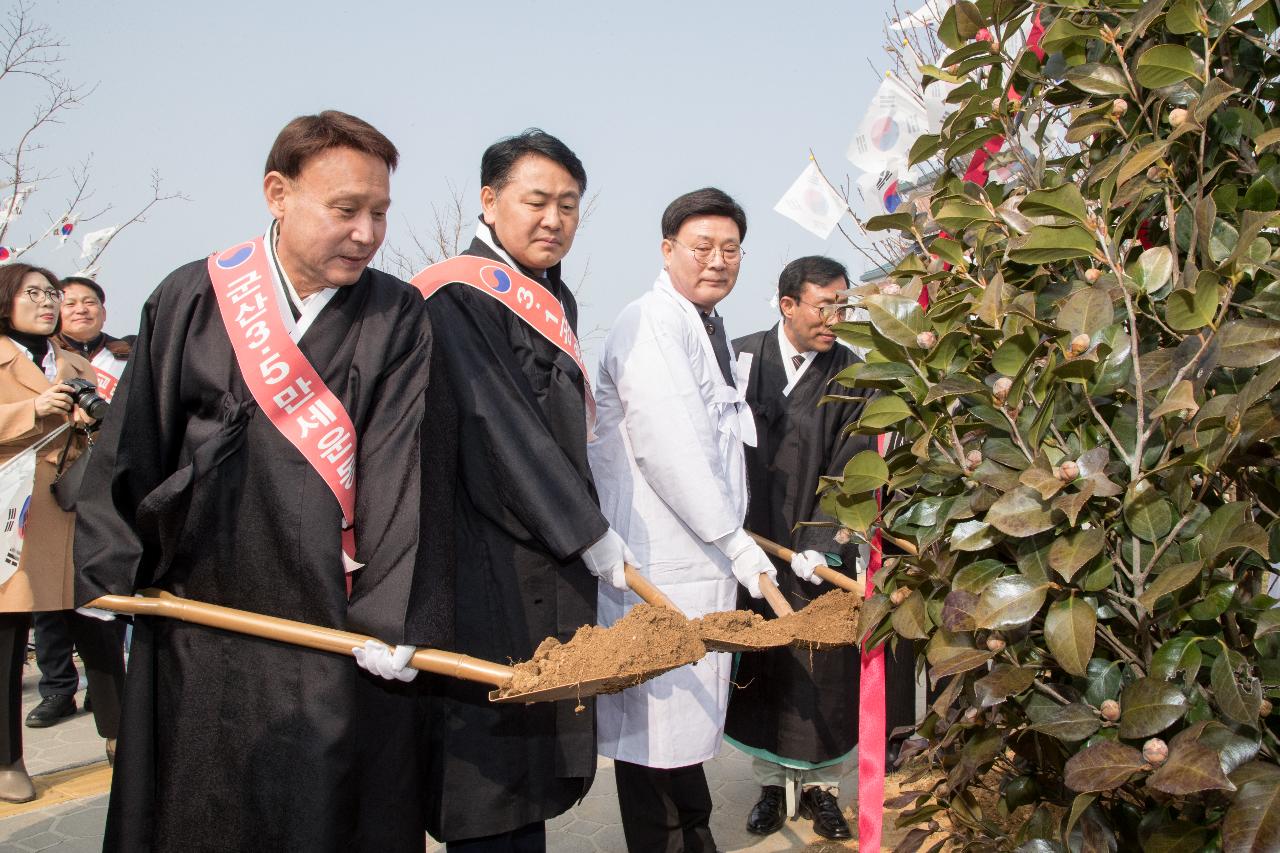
point(34, 402)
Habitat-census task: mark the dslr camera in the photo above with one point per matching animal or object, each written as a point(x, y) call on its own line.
point(84, 394)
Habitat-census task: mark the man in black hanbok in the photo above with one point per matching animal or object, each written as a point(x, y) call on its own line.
point(229, 742)
point(531, 538)
point(793, 710)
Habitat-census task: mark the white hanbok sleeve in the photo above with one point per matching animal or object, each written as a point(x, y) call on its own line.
point(674, 437)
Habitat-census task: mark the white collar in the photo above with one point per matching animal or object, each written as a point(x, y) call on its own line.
point(486, 236)
point(309, 307)
point(788, 353)
point(50, 364)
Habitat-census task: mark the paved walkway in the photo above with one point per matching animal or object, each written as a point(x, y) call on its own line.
point(70, 771)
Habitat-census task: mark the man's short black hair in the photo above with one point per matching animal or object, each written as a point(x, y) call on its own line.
point(501, 157)
point(814, 269)
point(85, 282)
point(707, 201)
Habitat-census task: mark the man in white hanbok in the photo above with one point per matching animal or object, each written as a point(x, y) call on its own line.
point(668, 463)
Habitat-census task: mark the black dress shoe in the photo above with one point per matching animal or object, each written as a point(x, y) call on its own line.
point(50, 710)
point(822, 808)
point(769, 813)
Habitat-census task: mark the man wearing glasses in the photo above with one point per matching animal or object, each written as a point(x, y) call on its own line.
point(669, 466)
point(796, 711)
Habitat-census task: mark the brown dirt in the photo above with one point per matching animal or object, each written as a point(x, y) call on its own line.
point(829, 620)
point(743, 627)
point(647, 641)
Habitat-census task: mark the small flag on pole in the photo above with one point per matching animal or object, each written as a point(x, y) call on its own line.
point(95, 240)
point(879, 193)
point(67, 225)
point(893, 123)
point(812, 204)
point(11, 208)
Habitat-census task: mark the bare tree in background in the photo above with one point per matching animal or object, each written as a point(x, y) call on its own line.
point(33, 53)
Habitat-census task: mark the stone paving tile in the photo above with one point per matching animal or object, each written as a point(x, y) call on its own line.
point(591, 827)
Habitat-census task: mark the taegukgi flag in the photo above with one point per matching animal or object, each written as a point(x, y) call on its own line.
point(894, 121)
point(812, 203)
point(879, 194)
point(17, 477)
point(11, 208)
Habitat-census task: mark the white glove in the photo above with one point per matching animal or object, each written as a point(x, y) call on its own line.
point(375, 657)
point(749, 560)
point(104, 615)
point(804, 563)
point(607, 559)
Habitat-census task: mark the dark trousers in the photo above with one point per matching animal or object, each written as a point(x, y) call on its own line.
point(664, 811)
point(13, 654)
point(58, 676)
point(530, 838)
point(101, 647)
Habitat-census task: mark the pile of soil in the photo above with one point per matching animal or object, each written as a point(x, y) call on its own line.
point(744, 628)
point(647, 641)
point(828, 621)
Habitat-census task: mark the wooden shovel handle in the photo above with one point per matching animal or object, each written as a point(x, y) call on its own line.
point(643, 587)
point(154, 602)
point(777, 602)
point(827, 573)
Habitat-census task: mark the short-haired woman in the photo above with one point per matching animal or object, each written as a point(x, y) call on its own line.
point(34, 402)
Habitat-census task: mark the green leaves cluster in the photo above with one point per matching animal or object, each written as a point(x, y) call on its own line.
point(1085, 497)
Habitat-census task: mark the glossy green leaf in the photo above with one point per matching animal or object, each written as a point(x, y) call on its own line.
point(1148, 706)
point(898, 318)
point(1002, 682)
point(1070, 723)
point(1052, 243)
point(1191, 767)
point(1009, 602)
point(1087, 311)
point(865, 472)
point(1231, 698)
point(1069, 632)
point(1020, 512)
point(1098, 79)
point(1106, 765)
point(1252, 822)
point(1248, 342)
point(909, 618)
point(1165, 65)
point(885, 410)
point(1170, 580)
point(1059, 201)
point(1190, 309)
point(1070, 552)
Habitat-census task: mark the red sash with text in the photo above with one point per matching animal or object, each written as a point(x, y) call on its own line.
point(283, 383)
point(106, 384)
point(529, 300)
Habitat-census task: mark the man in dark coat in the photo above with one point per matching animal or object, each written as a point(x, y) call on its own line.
point(229, 742)
point(794, 710)
point(530, 532)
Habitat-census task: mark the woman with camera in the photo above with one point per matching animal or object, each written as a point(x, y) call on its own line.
point(39, 394)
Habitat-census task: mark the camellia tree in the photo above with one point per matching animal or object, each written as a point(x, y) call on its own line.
point(1084, 491)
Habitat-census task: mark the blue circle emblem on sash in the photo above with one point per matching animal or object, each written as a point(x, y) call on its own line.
point(235, 256)
point(497, 279)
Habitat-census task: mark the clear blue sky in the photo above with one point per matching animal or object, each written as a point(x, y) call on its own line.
point(656, 98)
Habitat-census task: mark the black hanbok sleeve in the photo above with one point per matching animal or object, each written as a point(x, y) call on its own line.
point(404, 495)
point(136, 449)
point(513, 469)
